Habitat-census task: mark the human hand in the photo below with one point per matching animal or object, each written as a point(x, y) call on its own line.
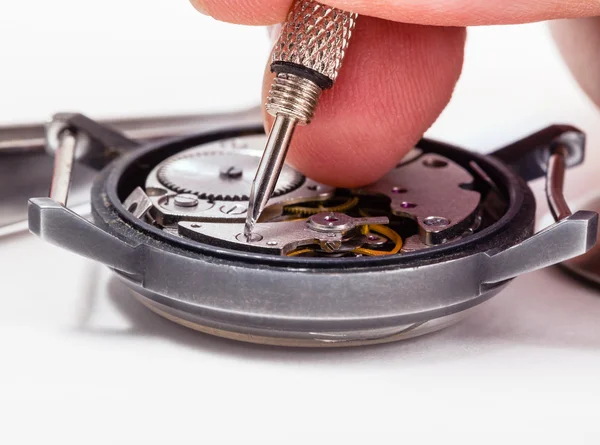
point(399, 73)
point(579, 41)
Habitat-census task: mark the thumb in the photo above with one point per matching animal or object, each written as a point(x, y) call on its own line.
point(578, 41)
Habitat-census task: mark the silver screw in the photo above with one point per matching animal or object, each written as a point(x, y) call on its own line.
point(186, 200)
point(252, 238)
point(231, 172)
point(272, 243)
point(375, 240)
point(233, 209)
point(436, 221)
point(331, 246)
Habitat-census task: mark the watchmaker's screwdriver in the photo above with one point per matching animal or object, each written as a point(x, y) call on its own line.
point(306, 58)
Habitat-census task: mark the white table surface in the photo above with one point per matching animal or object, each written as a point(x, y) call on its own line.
point(82, 362)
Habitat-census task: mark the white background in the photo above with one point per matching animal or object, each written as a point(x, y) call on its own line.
point(81, 362)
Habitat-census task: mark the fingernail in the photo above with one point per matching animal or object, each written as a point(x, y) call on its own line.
point(274, 31)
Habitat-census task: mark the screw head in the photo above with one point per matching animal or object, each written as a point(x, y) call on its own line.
point(331, 221)
point(436, 221)
point(408, 205)
point(331, 246)
point(231, 172)
point(253, 238)
point(186, 200)
point(233, 209)
point(375, 240)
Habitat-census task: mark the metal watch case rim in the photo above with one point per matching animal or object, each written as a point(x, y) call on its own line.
point(110, 189)
point(323, 301)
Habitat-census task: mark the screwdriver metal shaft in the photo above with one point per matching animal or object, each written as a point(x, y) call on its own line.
point(306, 58)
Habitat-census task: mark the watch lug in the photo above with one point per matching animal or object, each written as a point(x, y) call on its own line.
point(58, 225)
point(565, 239)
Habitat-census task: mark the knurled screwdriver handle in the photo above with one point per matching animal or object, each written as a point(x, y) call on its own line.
point(307, 57)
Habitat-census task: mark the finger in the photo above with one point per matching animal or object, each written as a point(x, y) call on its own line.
point(245, 12)
point(470, 12)
point(578, 41)
point(427, 12)
point(395, 81)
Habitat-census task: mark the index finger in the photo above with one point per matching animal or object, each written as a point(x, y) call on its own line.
point(425, 12)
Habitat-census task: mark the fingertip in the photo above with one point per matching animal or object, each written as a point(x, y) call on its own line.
point(578, 42)
point(200, 6)
point(244, 12)
point(469, 12)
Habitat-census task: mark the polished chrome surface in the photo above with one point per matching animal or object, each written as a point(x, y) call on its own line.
point(269, 169)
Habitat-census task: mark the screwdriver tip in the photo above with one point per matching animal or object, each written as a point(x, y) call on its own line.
point(248, 228)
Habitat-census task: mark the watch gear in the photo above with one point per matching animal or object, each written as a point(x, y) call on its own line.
point(410, 199)
point(220, 175)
